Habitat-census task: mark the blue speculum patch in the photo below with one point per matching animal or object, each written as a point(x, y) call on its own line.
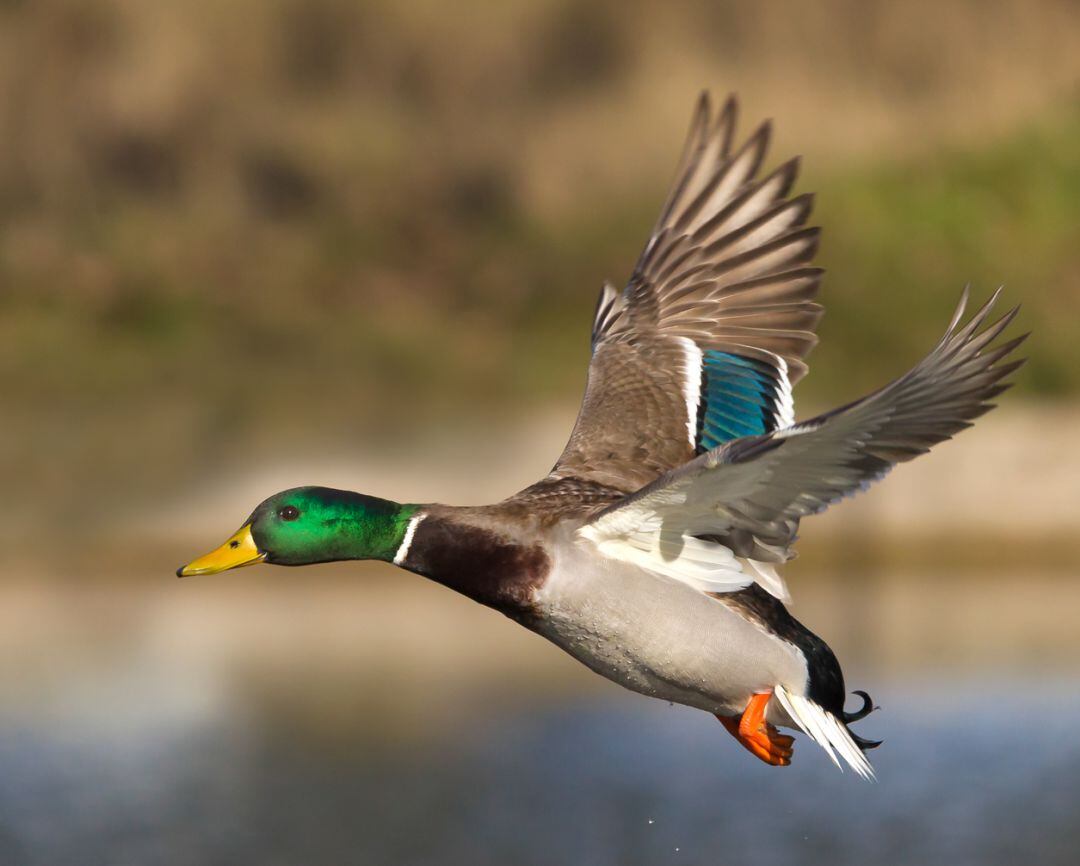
point(738, 398)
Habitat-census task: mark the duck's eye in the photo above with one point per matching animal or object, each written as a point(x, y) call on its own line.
point(289, 512)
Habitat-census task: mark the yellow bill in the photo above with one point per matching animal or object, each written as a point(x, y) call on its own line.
point(237, 551)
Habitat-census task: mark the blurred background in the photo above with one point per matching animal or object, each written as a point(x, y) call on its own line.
point(250, 245)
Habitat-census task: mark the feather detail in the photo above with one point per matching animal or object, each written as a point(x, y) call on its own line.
point(750, 493)
point(692, 387)
point(726, 272)
point(402, 553)
point(826, 730)
point(705, 565)
point(767, 577)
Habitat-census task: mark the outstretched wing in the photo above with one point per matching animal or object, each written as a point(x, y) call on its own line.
point(706, 340)
point(747, 497)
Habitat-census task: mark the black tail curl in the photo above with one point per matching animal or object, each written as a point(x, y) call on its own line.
point(866, 709)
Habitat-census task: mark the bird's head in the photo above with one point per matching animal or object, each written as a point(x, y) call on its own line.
point(305, 525)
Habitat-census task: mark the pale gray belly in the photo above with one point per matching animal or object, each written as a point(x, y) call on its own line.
point(661, 637)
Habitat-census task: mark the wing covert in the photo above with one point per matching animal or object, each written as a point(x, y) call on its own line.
point(748, 496)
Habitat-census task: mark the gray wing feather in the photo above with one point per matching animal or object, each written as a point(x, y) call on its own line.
point(751, 493)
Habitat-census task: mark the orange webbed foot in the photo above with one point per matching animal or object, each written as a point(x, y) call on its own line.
point(757, 736)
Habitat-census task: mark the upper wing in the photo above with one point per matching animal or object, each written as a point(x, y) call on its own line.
point(710, 333)
point(747, 497)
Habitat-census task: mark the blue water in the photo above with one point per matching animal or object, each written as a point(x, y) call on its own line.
point(989, 774)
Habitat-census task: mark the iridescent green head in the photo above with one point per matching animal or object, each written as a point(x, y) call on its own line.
point(311, 524)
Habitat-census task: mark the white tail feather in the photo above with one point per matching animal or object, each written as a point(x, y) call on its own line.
point(826, 730)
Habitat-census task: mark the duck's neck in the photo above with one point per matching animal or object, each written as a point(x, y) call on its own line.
point(472, 557)
point(383, 533)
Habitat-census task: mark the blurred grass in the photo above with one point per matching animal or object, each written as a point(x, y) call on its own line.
point(279, 225)
point(905, 236)
point(505, 313)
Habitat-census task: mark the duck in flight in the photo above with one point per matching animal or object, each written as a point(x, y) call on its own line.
point(651, 550)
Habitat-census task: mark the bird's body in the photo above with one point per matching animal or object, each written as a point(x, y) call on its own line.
point(650, 551)
point(692, 649)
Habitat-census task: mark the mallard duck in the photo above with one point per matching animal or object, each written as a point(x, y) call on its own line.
point(650, 552)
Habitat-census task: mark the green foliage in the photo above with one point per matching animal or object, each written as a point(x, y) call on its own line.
point(342, 315)
point(902, 238)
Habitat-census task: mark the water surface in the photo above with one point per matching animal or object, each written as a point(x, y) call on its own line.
point(150, 731)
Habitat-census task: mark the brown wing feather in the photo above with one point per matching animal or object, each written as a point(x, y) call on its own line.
point(726, 269)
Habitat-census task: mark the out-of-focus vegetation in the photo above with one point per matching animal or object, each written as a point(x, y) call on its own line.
point(251, 243)
point(295, 221)
point(905, 235)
